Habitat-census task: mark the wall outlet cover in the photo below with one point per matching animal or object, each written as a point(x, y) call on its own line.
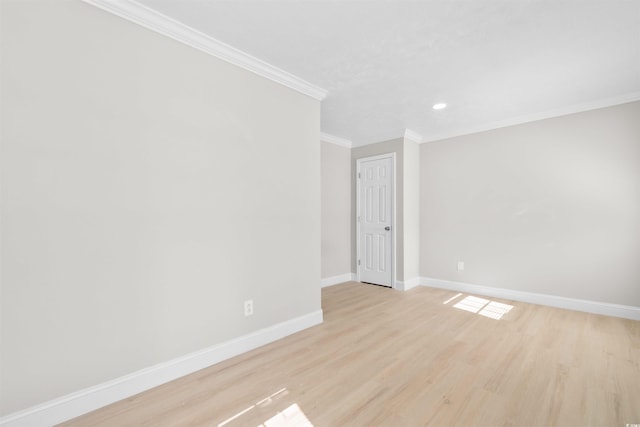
point(248, 307)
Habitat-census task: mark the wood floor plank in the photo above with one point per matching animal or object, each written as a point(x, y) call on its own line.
point(426, 357)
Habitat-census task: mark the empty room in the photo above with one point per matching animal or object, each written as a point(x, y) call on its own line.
point(320, 213)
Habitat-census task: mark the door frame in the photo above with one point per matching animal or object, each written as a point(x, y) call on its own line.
point(359, 162)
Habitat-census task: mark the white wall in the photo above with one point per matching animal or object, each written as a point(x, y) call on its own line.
point(549, 207)
point(336, 210)
point(148, 189)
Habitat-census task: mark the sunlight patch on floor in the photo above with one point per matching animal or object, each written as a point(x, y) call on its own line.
point(472, 304)
point(238, 415)
point(262, 403)
point(484, 307)
point(269, 399)
point(290, 417)
point(495, 310)
point(451, 299)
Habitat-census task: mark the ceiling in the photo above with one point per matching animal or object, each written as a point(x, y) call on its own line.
point(385, 63)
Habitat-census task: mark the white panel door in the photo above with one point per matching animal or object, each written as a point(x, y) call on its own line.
point(375, 178)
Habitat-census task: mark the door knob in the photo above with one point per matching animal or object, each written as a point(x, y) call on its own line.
point(387, 228)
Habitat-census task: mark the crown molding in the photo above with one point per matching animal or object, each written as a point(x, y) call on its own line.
point(412, 136)
point(549, 114)
point(155, 21)
point(332, 139)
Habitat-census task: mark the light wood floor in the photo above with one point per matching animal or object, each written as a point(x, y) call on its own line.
point(388, 358)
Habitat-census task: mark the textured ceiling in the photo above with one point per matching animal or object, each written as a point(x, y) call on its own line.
point(385, 63)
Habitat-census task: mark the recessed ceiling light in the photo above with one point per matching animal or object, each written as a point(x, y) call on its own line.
point(439, 106)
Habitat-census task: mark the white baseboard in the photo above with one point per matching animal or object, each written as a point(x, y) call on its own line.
point(92, 398)
point(615, 310)
point(408, 284)
point(334, 280)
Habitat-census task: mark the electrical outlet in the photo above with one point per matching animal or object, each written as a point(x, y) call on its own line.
point(248, 307)
point(460, 265)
